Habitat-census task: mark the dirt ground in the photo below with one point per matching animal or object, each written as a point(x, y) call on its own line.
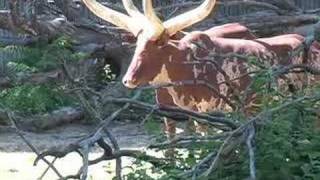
point(16, 159)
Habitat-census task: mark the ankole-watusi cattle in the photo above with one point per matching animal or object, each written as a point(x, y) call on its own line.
point(209, 82)
point(231, 30)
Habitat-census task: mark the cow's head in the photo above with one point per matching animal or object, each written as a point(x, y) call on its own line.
point(153, 35)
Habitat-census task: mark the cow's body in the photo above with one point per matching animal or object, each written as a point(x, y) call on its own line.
point(232, 30)
point(200, 98)
point(163, 97)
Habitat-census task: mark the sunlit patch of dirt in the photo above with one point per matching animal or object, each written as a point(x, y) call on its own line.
point(16, 159)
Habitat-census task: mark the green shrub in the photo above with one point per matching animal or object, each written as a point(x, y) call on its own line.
point(18, 61)
point(34, 99)
point(42, 56)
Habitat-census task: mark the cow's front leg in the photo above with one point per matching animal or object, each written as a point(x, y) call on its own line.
point(164, 99)
point(170, 128)
point(189, 127)
point(201, 128)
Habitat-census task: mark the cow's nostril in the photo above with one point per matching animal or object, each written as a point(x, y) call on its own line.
point(125, 82)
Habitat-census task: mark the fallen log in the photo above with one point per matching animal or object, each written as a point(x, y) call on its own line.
point(51, 120)
point(270, 25)
point(266, 23)
point(36, 79)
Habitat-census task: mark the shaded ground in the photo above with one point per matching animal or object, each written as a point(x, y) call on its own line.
point(129, 135)
point(16, 159)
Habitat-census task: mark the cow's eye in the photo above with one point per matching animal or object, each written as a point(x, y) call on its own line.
point(159, 42)
point(143, 53)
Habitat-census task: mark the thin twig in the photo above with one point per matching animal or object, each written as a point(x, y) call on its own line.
point(176, 141)
point(47, 169)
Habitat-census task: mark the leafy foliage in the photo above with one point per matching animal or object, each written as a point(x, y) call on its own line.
point(34, 99)
point(18, 62)
point(37, 58)
point(295, 147)
point(44, 57)
point(7, 55)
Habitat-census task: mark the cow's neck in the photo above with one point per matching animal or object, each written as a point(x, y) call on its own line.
point(174, 69)
point(188, 94)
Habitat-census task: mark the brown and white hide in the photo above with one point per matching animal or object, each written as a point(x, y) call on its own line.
point(231, 30)
point(194, 62)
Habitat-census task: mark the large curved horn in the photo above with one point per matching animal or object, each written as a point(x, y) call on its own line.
point(153, 18)
point(119, 19)
point(189, 18)
point(131, 8)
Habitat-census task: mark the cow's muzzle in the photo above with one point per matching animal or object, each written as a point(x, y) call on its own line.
point(129, 83)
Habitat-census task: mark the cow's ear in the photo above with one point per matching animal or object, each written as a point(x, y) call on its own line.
point(179, 35)
point(128, 38)
point(160, 42)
